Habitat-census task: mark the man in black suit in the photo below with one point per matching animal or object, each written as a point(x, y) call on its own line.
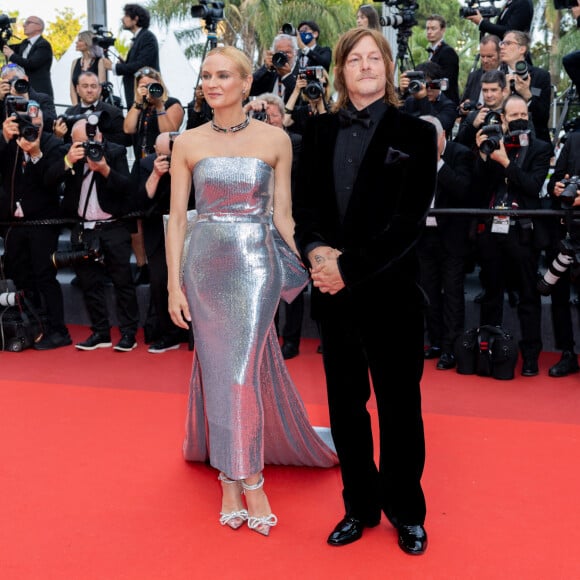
point(34, 55)
point(567, 165)
point(534, 86)
point(8, 86)
point(571, 61)
point(277, 75)
point(443, 248)
point(510, 175)
point(366, 180)
point(429, 99)
point(144, 49)
point(33, 195)
point(310, 53)
point(443, 54)
point(96, 192)
point(489, 60)
point(110, 117)
point(515, 15)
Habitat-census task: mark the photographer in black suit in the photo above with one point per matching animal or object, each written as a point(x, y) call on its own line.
point(571, 61)
point(144, 49)
point(96, 190)
point(515, 15)
point(310, 53)
point(443, 248)
point(34, 55)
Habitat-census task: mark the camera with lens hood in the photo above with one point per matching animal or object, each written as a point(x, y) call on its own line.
point(103, 38)
point(314, 76)
point(23, 111)
point(474, 6)
point(492, 129)
point(89, 252)
point(5, 29)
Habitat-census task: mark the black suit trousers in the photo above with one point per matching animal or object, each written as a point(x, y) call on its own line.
point(115, 243)
point(355, 338)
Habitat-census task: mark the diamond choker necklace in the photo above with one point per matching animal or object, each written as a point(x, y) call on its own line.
point(233, 129)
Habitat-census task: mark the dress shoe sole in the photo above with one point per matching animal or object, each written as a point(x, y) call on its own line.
point(413, 552)
point(445, 367)
point(125, 349)
point(94, 347)
point(345, 542)
point(164, 349)
point(558, 374)
point(530, 373)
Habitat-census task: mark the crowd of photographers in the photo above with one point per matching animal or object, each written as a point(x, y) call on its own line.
point(495, 153)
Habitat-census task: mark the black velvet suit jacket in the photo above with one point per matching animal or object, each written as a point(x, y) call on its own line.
point(37, 64)
point(386, 212)
point(454, 191)
point(517, 15)
point(143, 52)
point(448, 60)
point(264, 80)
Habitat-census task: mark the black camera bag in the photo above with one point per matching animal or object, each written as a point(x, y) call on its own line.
point(488, 351)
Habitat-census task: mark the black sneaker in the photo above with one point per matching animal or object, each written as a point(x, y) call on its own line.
point(96, 340)
point(126, 344)
point(567, 365)
point(164, 344)
point(53, 340)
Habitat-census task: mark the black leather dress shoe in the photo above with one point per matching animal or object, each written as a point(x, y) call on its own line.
point(348, 530)
point(530, 367)
point(53, 340)
point(567, 365)
point(446, 362)
point(412, 539)
point(289, 350)
point(432, 352)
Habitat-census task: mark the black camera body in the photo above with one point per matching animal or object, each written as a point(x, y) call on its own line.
point(23, 111)
point(279, 59)
point(406, 17)
point(474, 6)
point(288, 28)
point(155, 90)
point(494, 136)
point(416, 80)
point(570, 192)
point(103, 38)
point(89, 252)
point(5, 29)
point(314, 76)
point(468, 106)
point(522, 70)
point(210, 12)
point(20, 86)
point(94, 150)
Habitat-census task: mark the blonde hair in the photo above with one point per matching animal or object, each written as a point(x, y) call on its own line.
point(238, 57)
point(344, 47)
point(87, 36)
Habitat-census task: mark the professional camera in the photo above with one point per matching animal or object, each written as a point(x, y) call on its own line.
point(468, 106)
point(20, 86)
point(438, 84)
point(279, 59)
point(94, 150)
point(405, 18)
point(493, 131)
point(473, 6)
point(23, 111)
point(103, 38)
point(11, 298)
point(416, 80)
point(568, 254)
point(261, 115)
point(314, 76)
point(155, 90)
point(5, 29)
point(288, 28)
point(519, 138)
point(522, 70)
point(210, 12)
point(570, 193)
point(90, 252)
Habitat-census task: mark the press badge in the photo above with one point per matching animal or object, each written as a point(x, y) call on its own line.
point(500, 224)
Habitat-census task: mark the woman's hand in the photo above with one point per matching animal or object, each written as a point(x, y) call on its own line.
point(179, 309)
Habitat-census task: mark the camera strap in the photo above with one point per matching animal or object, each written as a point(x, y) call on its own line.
point(89, 191)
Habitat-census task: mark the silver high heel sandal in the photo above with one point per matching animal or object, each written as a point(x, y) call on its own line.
point(261, 524)
point(232, 519)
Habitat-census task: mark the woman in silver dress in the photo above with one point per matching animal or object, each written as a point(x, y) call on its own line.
point(243, 409)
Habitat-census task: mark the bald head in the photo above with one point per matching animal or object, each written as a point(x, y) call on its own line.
point(162, 144)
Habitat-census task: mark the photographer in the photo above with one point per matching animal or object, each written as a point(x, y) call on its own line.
point(153, 197)
point(275, 75)
point(510, 170)
point(494, 91)
point(26, 156)
point(198, 111)
point(111, 118)
point(426, 97)
point(515, 15)
point(14, 81)
point(96, 189)
point(571, 61)
point(309, 52)
point(34, 55)
point(532, 83)
point(568, 165)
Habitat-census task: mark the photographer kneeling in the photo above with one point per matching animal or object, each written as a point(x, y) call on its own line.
point(509, 173)
point(96, 189)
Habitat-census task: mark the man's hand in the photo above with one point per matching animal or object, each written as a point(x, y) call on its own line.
point(480, 117)
point(31, 147)
point(10, 129)
point(8, 52)
point(521, 86)
point(5, 87)
point(476, 18)
point(325, 273)
point(75, 153)
point(107, 64)
point(500, 155)
point(100, 166)
point(59, 128)
point(161, 165)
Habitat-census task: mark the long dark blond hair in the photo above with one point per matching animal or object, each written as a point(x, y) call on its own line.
point(344, 47)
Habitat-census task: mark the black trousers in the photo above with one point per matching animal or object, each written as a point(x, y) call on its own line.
point(293, 314)
point(571, 63)
point(27, 260)
point(512, 252)
point(442, 276)
point(386, 340)
point(115, 245)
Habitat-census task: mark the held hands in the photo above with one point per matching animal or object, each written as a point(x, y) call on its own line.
point(178, 308)
point(325, 273)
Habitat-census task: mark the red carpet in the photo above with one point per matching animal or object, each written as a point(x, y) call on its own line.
point(93, 485)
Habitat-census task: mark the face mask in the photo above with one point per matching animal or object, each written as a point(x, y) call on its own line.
point(306, 37)
point(518, 125)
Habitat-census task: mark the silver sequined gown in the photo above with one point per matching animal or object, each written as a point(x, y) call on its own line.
point(243, 409)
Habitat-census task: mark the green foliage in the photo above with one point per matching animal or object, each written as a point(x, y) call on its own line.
point(62, 31)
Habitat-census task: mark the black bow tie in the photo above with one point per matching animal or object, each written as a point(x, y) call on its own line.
point(85, 109)
point(430, 50)
point(346, 118)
